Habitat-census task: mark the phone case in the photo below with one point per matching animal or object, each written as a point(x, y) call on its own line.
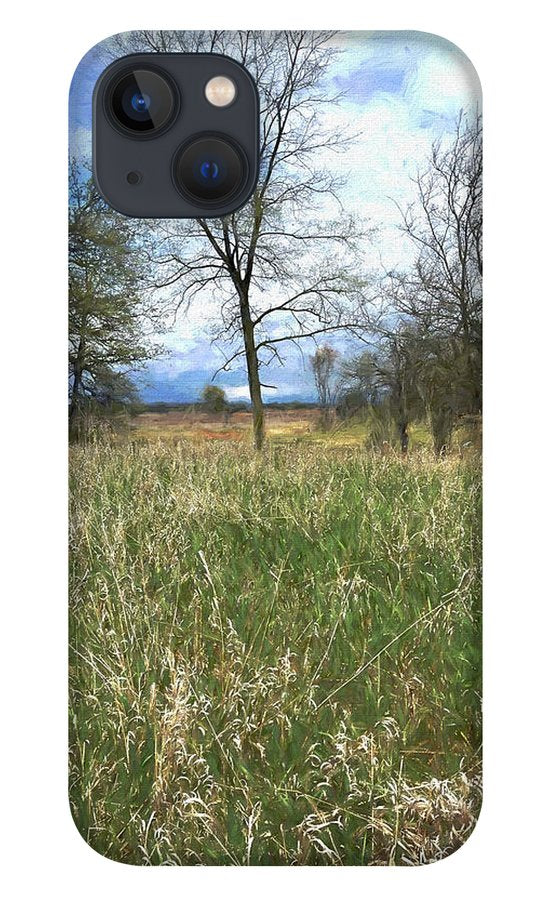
point(275, 474)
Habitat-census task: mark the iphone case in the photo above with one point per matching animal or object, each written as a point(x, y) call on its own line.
point(274, 419)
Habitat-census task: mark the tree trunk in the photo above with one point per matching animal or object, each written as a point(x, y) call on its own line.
point(74, 411)
point(253, 377)
point(441, 425)
point(74, 414)
point(326, 418)
point(403, 433)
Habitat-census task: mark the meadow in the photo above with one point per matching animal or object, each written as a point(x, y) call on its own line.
point(274, 657)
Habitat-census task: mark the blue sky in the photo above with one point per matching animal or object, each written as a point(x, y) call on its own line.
point(400, 92)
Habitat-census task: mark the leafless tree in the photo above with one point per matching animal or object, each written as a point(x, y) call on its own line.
point(282, 267)
point(440, 296)
point(444, 222)
point(324, 366)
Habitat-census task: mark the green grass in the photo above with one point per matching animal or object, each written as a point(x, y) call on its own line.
point(273, 660)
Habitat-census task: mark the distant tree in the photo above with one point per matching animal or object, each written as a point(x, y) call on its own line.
point(350, 403)
point(358, 385)
point(214, 398)
point(283, 268)
point(107, 311)
point(388, 377)
point(324, 367)
point(360, 375)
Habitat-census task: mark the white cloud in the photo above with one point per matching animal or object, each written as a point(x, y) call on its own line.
point(238, 393)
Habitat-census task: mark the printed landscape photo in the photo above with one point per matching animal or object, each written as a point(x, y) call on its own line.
point(275, 474)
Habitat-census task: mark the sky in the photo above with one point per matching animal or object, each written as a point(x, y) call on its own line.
point(401, 91)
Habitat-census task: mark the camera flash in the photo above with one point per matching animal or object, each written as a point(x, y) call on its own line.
point(220, 91)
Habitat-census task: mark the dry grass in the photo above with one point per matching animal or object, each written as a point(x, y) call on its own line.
point(197, 425)
point(273, 660)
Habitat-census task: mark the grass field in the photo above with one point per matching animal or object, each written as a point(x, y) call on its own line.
point(273, 660)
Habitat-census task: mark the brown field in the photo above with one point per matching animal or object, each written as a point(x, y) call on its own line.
point(193, 423)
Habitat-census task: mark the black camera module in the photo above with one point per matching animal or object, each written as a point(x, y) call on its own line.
point(210, 169)
point(142, 101)
point(161, 149)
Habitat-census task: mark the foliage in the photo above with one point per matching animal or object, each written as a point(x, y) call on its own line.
point(387, 379)
point(351, 402)
point(273, 662)
point(381, 428)
point(107, 309)
point(213, 398)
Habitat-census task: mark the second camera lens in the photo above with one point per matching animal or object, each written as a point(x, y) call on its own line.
point(210, 169)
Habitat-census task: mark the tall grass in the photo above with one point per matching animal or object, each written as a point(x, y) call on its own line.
point(273, 660)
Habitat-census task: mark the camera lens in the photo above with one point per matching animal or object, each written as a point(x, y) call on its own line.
point(210, 169)
point(142, 101)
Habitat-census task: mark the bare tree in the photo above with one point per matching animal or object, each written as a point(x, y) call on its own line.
point(324, 367)
point(443, 291)
point(281, 266)
point(441, 295)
